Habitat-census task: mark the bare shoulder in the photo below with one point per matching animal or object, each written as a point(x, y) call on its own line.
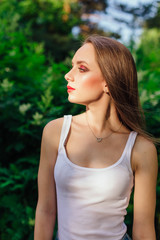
point(144, 154)
point(52, 131)
point(144, 145)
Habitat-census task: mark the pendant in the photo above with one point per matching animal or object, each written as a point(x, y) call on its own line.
point(99, 139)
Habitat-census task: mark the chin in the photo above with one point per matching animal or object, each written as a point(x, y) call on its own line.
point(76, 101)
point(72, 100)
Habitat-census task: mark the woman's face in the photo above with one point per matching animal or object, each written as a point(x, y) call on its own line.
point(85, 77)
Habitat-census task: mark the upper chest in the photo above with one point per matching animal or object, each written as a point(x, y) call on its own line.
point(83, 149)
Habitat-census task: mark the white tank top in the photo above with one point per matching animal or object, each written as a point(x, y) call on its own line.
point(92, 202)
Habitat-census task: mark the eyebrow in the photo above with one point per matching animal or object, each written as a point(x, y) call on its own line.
point(79, 62)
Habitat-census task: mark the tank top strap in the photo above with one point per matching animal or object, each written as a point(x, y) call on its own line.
point(130, 145)
point(132, 139)
point(65, 129)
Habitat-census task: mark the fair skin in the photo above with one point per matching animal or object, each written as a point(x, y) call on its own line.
point(90, 87)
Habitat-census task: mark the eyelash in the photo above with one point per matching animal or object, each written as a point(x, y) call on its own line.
point(82, 69)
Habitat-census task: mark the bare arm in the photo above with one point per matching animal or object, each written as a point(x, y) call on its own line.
point(145, 165)
point(46, 206)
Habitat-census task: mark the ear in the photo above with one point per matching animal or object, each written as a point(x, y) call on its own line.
point(106, 90)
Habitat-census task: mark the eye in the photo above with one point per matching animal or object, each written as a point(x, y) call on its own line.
point(82, 69)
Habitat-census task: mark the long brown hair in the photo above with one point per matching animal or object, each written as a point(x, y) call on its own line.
point(119, 70)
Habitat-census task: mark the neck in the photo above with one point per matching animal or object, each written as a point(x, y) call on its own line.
point(102, 118)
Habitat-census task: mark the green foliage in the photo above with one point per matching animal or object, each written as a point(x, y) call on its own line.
point(18, 188)
point(33, 34)
point(49, 21)
point(148, 58)
point(31, 94)
point(147, 55)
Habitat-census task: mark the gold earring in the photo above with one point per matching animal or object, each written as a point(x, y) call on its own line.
point(107, 92)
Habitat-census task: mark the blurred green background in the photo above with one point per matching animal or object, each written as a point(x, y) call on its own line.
point(37, 41)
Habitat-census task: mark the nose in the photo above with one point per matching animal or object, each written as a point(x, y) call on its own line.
point(68, 76)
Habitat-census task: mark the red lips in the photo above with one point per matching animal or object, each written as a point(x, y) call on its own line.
point(70, 88)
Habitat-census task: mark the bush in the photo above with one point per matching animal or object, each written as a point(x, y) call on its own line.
point(31, 94)
point(147, 56)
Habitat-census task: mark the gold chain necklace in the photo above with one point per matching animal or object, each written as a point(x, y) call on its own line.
point(99, 139)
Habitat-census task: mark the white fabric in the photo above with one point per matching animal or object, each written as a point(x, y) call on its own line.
point(92, 202)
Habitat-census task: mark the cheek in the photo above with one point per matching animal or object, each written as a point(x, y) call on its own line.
point(92, 81)
point(88, 88)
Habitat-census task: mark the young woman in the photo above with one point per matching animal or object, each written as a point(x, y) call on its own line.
point(90, 162)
